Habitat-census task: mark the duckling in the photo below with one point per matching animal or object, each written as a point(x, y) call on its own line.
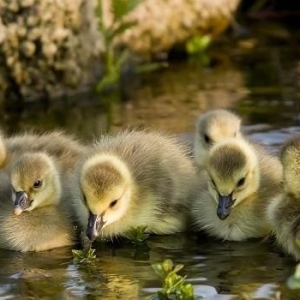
point(46, 221)
point(241, 181)
point(284, 209)
point(136, 179)
point(211, 128)
point(57, 144)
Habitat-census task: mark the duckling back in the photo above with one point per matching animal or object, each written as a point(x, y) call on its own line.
point(64, 147)
point(41, 229)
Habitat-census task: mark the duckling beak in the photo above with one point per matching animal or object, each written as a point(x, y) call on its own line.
point(224, 206)
point(21, 203)
point(95, 224)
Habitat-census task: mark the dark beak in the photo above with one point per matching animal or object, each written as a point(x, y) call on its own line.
point(21, 203)
point(95, 224)
point(224, 206)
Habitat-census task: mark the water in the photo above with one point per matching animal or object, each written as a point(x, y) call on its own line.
point(262, 85)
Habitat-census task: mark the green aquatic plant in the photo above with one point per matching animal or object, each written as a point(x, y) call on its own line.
point(173, 286)
point(113, 59)
point(86, 255)
point(137, 235)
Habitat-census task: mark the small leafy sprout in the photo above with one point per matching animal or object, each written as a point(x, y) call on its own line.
point(137, 235)
point(86, 255)
point(174, 286)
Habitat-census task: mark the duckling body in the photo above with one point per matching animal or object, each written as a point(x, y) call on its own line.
point(43, 215)
point(284, 210)
point(211, 128)
point(136, 179)
point(241, 181)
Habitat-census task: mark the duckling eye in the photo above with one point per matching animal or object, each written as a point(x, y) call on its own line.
point(37, 184)
point(113, 203)
point(207, 139)
point(241, 182)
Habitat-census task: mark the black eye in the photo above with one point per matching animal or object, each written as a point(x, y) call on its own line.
point(241, 182)
point(207, 139)
point(113, 203)
point(37, 184)
point(212, 181)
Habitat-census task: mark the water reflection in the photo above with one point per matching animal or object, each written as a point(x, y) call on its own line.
point(215, 268)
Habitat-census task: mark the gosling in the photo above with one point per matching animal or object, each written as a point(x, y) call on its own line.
point(136, 179)
point(284, 209)
point(45, 217)
point(241, 181)
point(211, 128)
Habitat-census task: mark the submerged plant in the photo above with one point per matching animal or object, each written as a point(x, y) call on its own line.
point(86, 255)
point(113, 60)
point(174, 286)
point(137, 235)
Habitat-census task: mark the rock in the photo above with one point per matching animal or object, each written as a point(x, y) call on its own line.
point(36, 35)
point(161, 24)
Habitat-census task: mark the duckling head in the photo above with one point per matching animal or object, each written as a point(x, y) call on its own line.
point(211, 128)
point(290, 158)
point(35, 182)
point(234, 174)
point(106, 186)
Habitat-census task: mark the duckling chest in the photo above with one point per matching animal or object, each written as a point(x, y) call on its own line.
point(239, 227)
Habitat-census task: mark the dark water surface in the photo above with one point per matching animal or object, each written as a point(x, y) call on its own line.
point(262, 84)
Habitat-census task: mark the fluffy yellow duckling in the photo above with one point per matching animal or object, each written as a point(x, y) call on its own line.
point(242, 179)
point(284, 209)
point(211, 128)
point(136, 179)
point(57, 144)
point(46, 221)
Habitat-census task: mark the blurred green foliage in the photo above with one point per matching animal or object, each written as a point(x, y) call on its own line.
point(114, 59)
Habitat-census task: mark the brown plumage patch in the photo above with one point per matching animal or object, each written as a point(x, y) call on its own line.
point(227, 159)
point(102, 177)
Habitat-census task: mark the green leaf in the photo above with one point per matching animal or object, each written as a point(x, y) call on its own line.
point(107, 81)
point(121, 8)
point(173, 284)
point(85, 255)
point(138, 234)
point(123, 26)
point(198, 44)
